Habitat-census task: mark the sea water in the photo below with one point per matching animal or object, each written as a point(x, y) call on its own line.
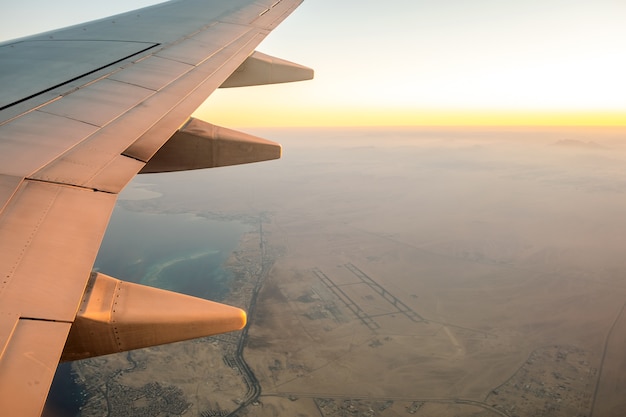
point(182, 252)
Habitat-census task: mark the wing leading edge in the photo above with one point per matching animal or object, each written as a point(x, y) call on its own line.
point(86, 108)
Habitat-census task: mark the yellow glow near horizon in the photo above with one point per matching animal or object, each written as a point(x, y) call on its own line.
point(266, 116)
point(531, 63)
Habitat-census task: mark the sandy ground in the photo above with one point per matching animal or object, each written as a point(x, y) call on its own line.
point(453, 273)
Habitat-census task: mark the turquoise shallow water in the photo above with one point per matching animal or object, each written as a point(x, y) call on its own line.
point(179, 252)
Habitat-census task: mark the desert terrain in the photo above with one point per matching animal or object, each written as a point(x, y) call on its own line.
point(404, 272)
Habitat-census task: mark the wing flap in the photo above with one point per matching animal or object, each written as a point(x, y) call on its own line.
point(28, 366)
point(49, 239)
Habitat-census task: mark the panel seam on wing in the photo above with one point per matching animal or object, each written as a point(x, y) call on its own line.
point(70, 185)
point(76, 78)
point(48, 320)
point(7, 280)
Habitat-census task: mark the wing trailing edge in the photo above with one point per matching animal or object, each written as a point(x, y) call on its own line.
point(25, 371)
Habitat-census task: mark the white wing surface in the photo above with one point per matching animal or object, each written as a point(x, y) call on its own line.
point(82, 111)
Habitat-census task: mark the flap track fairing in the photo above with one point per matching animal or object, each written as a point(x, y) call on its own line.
point(262, 69)
point(199, 145)
point(116, 316)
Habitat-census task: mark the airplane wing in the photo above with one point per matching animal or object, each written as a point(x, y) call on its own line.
point(82, 111)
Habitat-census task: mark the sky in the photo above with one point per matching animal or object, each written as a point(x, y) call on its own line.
point(415, 62)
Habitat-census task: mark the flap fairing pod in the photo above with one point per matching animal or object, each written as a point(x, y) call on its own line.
point(199, 145)
point(262, 69)
point(117, 316)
